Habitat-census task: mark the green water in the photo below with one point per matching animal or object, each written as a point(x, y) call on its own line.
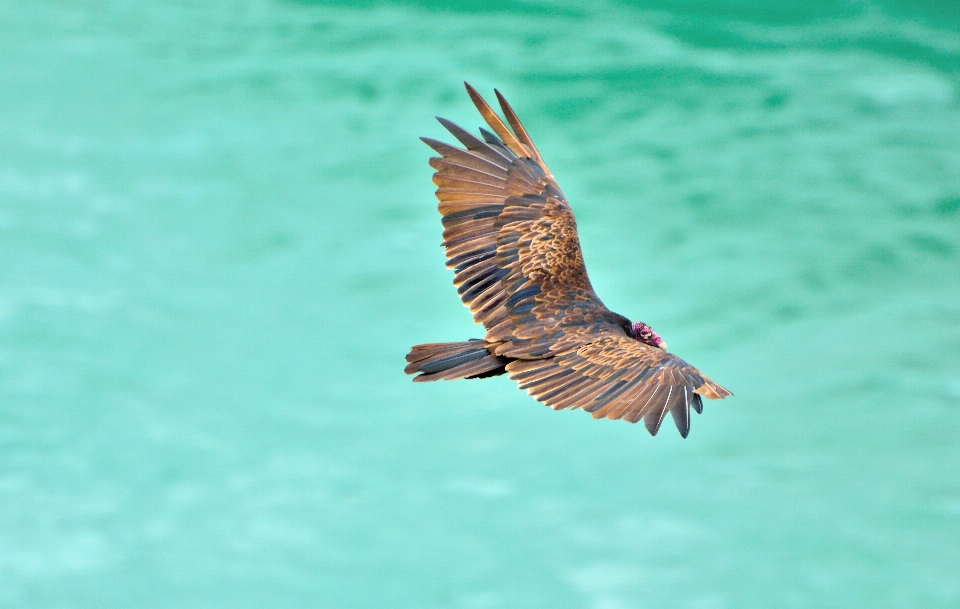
point(218, 239)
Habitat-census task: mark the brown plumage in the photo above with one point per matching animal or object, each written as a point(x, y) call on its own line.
point(511, 239)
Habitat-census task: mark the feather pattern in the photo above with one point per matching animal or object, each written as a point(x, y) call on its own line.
point(511, 239)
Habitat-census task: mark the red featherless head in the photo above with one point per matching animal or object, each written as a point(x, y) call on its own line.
point(645, 334)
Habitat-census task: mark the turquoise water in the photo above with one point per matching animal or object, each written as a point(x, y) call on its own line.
point(218, 239)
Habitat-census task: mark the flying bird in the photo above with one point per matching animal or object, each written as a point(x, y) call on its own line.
point(511, 240)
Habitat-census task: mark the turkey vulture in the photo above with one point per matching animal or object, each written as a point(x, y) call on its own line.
point(511, 239)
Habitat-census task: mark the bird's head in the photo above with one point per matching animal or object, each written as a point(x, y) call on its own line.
point(645, 334)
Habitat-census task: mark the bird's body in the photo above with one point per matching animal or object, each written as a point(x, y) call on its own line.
point(511, 238)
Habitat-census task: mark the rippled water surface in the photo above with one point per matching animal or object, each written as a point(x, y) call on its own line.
point(218, 239)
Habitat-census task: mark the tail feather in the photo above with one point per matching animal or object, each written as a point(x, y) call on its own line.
point(446, 361)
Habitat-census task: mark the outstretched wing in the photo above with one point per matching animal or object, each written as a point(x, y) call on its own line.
point(616, 377)
point(509, 233)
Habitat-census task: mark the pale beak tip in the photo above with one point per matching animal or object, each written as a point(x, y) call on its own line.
point(663, 346)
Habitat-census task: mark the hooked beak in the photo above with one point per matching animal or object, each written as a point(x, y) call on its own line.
point(663, 346)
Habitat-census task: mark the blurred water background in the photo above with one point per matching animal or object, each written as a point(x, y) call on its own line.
point(218, 238)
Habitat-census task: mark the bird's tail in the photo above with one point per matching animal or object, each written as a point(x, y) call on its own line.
point(446, 361)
